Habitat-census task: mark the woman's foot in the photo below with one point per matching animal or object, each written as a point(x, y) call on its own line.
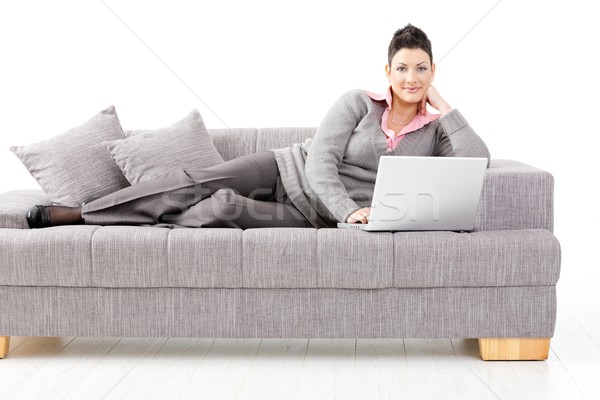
point(45, 216)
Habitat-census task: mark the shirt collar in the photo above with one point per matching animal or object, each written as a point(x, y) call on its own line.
point(387, 95)
point(417, 123)
point(419, 120)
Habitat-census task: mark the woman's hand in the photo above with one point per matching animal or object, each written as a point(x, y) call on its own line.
point(433, 97)
point(361, 215)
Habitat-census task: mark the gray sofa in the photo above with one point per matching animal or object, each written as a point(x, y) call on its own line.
point(496, 284)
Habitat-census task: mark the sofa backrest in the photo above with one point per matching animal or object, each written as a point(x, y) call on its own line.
point(236, 142)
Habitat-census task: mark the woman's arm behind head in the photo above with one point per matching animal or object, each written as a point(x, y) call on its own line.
point(456, 138)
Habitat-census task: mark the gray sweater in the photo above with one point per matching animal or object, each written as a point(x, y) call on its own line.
point(332, 174)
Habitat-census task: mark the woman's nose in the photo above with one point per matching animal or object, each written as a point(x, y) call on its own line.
point(411, 77)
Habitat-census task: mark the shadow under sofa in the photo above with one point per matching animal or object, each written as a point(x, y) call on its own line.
point(497, 283)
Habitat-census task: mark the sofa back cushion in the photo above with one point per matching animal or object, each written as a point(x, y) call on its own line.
point(236, 142)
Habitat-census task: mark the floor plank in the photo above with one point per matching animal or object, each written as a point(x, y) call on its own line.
point(517, 379)
point(588, 319)
point(328, 371)
point(16, 341)
point(275, 372)
point(165, 373)
point(488, 380)
point(26, 359)
point(434, 372)
point(578, 353)
point(380, 369)
point(112, 369)
point(220, 374)
point(55, 379)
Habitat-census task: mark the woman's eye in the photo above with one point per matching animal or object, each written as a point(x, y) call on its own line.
point(404, 68)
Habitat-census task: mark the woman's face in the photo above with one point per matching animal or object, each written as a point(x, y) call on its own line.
point(411, 68)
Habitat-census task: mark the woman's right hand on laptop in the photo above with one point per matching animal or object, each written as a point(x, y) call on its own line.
point(360, 216)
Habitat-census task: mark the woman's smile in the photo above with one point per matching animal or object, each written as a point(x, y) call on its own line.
point(412, 90)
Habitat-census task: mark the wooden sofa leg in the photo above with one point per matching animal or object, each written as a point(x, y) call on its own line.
point(4, 344)
point(514, 348)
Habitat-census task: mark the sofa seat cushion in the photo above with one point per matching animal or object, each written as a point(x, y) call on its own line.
point(58, 256)
point(134, 256)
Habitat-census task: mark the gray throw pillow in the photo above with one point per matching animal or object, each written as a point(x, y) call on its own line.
point(147, 154)
point(74, 167)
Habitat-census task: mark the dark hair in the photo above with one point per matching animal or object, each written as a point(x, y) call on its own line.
point(409, 37)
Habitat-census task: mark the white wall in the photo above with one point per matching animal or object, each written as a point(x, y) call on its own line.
point(522, 73)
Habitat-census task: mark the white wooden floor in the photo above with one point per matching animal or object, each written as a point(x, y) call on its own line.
point(136, 368)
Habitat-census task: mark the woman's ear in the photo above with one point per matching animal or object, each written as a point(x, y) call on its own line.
point(387, 72)
point(432, 71)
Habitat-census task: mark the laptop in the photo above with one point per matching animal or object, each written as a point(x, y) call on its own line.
point(420, 193)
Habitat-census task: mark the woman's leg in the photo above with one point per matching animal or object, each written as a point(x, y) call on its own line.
point(227, 209)
point(253, 176)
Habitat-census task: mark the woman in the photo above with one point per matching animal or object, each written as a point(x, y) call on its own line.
point(327, 179)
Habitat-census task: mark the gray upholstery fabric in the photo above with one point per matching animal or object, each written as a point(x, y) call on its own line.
point(129, 256)
point(166, 258)
point(280, 258)
point(515, 196)
point(14, 206)
point(235, 142)
point(298, 313)
point(526, 257)
point(74, 167)
point(269, 138)
point(146, 154)
point(58, 256)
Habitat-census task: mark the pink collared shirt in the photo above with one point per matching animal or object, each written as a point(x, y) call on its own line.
point(418, 121)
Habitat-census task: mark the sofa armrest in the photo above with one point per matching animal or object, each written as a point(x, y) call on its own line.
point(14, 206)
point(515, 196)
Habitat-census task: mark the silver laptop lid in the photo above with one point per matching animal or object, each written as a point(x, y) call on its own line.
point(427, 193)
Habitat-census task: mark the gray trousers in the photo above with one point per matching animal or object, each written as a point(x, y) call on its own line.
point(245, 192)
